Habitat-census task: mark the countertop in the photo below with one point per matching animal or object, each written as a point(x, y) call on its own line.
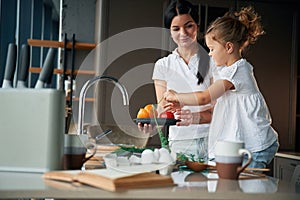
point(189, 186)
point(290, 155)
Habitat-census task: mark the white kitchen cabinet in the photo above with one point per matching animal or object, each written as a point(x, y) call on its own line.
point(285, 164)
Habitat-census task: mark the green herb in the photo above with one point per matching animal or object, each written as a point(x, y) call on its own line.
point(182, 157)
point(190, 157)
point(130, 149)
point(163, 140)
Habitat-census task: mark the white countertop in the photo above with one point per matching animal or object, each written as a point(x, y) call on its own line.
point(189, 186)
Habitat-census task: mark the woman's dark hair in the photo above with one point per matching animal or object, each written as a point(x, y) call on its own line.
point(181, 7)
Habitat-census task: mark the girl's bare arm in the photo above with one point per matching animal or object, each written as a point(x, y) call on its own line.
point(217, 89)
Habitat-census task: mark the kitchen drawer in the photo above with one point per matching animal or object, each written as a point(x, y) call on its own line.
point(284, 167)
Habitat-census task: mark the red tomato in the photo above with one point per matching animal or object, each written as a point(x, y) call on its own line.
point(166, 115)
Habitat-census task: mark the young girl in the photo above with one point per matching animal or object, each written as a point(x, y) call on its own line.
point(240, 112)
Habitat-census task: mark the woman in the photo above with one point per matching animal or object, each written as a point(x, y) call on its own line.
point(186, 69)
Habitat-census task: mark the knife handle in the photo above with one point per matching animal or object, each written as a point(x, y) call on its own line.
point(24, 63)
point(47, 69)
point(10, 66)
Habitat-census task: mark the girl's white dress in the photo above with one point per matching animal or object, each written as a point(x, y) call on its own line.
point(241, 114)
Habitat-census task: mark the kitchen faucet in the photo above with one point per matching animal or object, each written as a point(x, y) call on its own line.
point(82, 95)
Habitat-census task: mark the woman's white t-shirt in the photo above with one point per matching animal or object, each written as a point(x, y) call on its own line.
point(182, 78)
point(241, 114)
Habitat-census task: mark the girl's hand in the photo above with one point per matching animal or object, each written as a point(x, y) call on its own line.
point(171, 107)
point(185, 116)
point(171, 96)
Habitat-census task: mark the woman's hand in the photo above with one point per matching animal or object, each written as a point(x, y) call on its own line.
point(185, 117)
point(146, 128)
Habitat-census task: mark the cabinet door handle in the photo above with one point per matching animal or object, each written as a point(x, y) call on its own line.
point(293, 164)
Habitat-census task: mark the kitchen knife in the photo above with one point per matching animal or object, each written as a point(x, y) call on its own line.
point(23, 66)
point(47, 69)
point(10, 66)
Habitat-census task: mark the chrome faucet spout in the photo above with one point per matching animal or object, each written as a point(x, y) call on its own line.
point(83, 92)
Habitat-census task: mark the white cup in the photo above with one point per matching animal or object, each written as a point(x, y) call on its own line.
point(229, 157)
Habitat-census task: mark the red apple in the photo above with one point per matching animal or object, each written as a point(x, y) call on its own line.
point(166, 115)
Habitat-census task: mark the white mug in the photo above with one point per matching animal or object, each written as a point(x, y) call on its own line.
point(229, 158)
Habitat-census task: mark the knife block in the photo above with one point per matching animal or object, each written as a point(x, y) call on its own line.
point(31, 129)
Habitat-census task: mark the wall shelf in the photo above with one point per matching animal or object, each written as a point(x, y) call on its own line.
point(58, 44)
point(87, 99)
point(60, 71)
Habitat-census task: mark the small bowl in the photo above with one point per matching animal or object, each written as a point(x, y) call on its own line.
point(110, 160)
point(196, 166)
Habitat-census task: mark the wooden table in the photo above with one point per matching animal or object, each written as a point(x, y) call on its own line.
point(189, 186)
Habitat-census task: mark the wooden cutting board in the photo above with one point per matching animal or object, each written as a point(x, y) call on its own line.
point(143, 180)
point(111, 180)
